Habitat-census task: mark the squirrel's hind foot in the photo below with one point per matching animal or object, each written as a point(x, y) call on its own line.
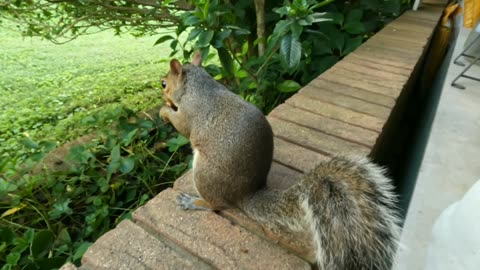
point(192, 202)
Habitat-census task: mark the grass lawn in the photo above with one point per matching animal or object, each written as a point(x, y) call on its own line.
point(46, 89)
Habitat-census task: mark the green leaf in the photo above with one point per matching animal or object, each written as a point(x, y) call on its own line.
point(325, 63)
point(296, 29)
point(285, 10)
point(41, 244)
point(48, 146)
point(175, 143)
point(60, 208)
point(352, 44)
point(241, 32)
point(334, 17)
point(6, 186)
point(227, 61)
point(321, 47)
point(127, 164)
point(288, 86)
point(190, 19)
point(194, 33)
point(392, 6)
point(29, 143)
point(128, 138)
point(13, 258)
point(355, 28)
point(291, 50)
point(50, 263)
point(354, 16)
point(81, 250)
point(80, 154)
point(204, 39)
point(220, 37)
point(63, 237)
point(163, 39)
point(6, 235)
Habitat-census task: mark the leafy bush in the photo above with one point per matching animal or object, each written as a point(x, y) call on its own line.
point(50, 218)
point(300, 40)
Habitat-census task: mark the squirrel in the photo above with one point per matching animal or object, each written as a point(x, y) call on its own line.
point(347, 204)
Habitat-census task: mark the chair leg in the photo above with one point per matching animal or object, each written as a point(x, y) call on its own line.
point(462, 74)
point(464, 54)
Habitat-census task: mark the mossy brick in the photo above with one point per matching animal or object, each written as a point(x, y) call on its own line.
point(315, 140)
point(337, 113)
point(330, 126)
point(361, 81)
point(345, 101)
point(376, 71)
point(295, 156)
point(346, 89)
point(128, 246)
point(212, 237)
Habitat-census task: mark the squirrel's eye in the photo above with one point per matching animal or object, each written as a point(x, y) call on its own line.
point(164, 84)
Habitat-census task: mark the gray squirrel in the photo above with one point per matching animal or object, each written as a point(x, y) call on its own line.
point(346, 204)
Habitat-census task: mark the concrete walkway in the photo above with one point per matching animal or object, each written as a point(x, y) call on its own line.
point(451, 162)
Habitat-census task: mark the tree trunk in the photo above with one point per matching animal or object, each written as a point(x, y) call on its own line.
point(260, 14)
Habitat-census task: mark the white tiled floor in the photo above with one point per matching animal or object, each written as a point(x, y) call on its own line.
point(451, 163)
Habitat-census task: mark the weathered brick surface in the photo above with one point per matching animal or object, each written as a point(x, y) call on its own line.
point(212, 237)
point(280, 177)
point(314, 140)
point(353, 91)
point(371, 70)
point(428, 13)
point(412, 25)
point(403, 37)
point(336, 112)
point(401, 58)
point(384, 64)
point(359, 81)
point(297, 243)
point(330, 126)
point(130, 247)
point(401, 43)
point(295, 156)
point(345, 101)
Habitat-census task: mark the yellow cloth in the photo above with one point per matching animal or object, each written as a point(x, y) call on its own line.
point(471, 13)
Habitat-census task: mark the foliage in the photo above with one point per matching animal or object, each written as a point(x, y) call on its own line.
point(51, 217)
point(52, 94)
point(303, 38)
point(63, 20)
point(46, 90)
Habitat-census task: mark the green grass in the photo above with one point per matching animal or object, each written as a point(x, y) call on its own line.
point(47, 89)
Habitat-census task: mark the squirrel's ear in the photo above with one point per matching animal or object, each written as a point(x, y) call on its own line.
point(175, 67)
point(197, 59)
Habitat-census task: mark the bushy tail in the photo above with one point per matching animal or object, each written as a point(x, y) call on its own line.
point(349, 207)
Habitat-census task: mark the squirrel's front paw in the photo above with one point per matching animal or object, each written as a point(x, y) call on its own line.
point(191, 202)
point(164, 112)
